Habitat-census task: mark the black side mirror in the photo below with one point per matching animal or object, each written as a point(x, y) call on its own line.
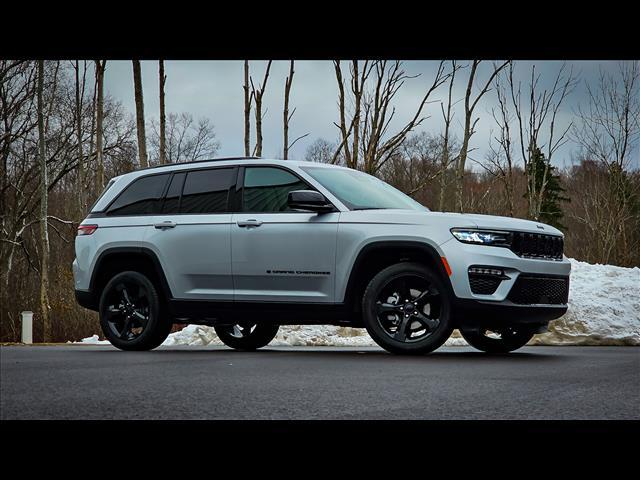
point(309, 200)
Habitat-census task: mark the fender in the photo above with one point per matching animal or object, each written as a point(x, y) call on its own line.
point(422, 247)
point(142, 251)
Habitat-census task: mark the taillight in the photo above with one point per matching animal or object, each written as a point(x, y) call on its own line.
point(86, 229)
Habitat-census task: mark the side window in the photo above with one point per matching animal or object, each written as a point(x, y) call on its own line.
point(141, 197)
point(266, 189)
point(172, 198)
point(207, 191)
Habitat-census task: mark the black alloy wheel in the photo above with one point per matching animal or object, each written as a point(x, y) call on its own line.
point(130, 314)
point(406, 309)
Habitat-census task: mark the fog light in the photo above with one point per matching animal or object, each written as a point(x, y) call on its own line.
point(494, 272)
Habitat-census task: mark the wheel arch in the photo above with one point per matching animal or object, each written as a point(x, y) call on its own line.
point(377, 255)
point(119, 259)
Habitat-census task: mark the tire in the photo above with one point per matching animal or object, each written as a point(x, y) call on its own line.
point(247, 336)
point(393, 323)
point(133, 320)
point(510, 339)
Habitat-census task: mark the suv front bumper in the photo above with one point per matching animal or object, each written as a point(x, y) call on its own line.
point(499, 308)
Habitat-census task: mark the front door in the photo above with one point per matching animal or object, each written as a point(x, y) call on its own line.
point(279, 255)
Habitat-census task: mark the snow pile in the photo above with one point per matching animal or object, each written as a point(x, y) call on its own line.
point(93, 340)
point(604, 309)
point(290, 335)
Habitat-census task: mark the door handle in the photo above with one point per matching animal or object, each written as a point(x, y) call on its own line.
point(165, 225)
point(252, 222)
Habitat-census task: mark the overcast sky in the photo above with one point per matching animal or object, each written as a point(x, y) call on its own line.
point(213, 89)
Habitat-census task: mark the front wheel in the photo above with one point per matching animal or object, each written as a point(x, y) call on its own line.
point(406, 309)
point(500, 341)
point(247, 335)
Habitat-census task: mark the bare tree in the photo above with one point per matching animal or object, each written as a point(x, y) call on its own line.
point(286, 116)
point(373, 113)
point(21, 194)
point(44, 195)
point(320, 151)
point(358, 79)
point(100, 67)
point(445, 156)
point(609, 126)
point(501, 157)
point(248, 97)
point(187, 140)
point(80, 185)
point(470, 124)
point(608, 131)
point(142, 140)
point(415, 165)
point(163, 120)
point(257, 94)
point(536, 127)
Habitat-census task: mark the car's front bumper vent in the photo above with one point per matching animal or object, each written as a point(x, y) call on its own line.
point(529, 290)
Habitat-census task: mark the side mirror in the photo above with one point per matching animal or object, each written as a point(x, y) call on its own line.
point(309, 200)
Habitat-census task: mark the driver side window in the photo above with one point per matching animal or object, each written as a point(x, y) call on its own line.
point(266, 189)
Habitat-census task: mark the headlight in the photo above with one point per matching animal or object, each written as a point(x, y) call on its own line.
point(482, 237)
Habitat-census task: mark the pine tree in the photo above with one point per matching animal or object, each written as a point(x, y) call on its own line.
point(550, 208)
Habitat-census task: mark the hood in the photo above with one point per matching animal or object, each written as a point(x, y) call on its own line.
point(510, 223)
point(447, 220)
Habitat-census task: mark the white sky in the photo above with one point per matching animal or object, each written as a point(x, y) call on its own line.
point(213, 89)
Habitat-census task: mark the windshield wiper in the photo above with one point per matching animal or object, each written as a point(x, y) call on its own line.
point(370, 208)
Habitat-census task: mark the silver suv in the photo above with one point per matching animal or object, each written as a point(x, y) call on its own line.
point(247, 245)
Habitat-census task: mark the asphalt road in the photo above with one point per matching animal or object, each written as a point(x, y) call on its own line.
point(100, 382)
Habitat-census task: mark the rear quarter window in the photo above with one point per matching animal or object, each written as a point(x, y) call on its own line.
point(141, 197)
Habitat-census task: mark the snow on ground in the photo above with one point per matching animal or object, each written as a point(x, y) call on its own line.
point(604, 309)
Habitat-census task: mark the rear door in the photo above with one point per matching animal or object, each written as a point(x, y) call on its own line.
point(280, 255)
point(192, 234)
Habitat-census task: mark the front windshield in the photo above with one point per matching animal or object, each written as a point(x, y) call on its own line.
point(359, 191)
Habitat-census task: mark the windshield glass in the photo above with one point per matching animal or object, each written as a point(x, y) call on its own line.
point(359, 191)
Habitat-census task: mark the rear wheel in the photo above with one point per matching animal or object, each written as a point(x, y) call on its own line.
point(406, 309)
point(500, 341)
point(130, 313)
point(247, 335)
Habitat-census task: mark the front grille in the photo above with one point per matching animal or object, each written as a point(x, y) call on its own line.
point(537, 245)
point(540, 290)
point(484, 285)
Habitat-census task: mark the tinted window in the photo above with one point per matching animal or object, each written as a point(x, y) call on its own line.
point(141, 197)
point(206, 191)
point(266, 189)
point(172, 198)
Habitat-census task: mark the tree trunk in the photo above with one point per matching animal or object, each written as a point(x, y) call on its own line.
point(258, 125)
point(163, 119)
point(286, 117)
point(44, 234)
point(81, 175)
point(247, 111)
point(258, 94)
point(100, 66)
point(142, 140)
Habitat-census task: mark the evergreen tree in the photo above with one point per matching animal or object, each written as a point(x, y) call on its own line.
point(550, 208)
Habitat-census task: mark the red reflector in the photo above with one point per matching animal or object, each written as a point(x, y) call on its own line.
point(446, 265)
point(86, 229)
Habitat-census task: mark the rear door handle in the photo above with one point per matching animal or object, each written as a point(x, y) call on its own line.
point(252, 222)
point(164, 225)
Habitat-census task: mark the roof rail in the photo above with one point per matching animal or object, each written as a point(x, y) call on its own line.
point(220, 159)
